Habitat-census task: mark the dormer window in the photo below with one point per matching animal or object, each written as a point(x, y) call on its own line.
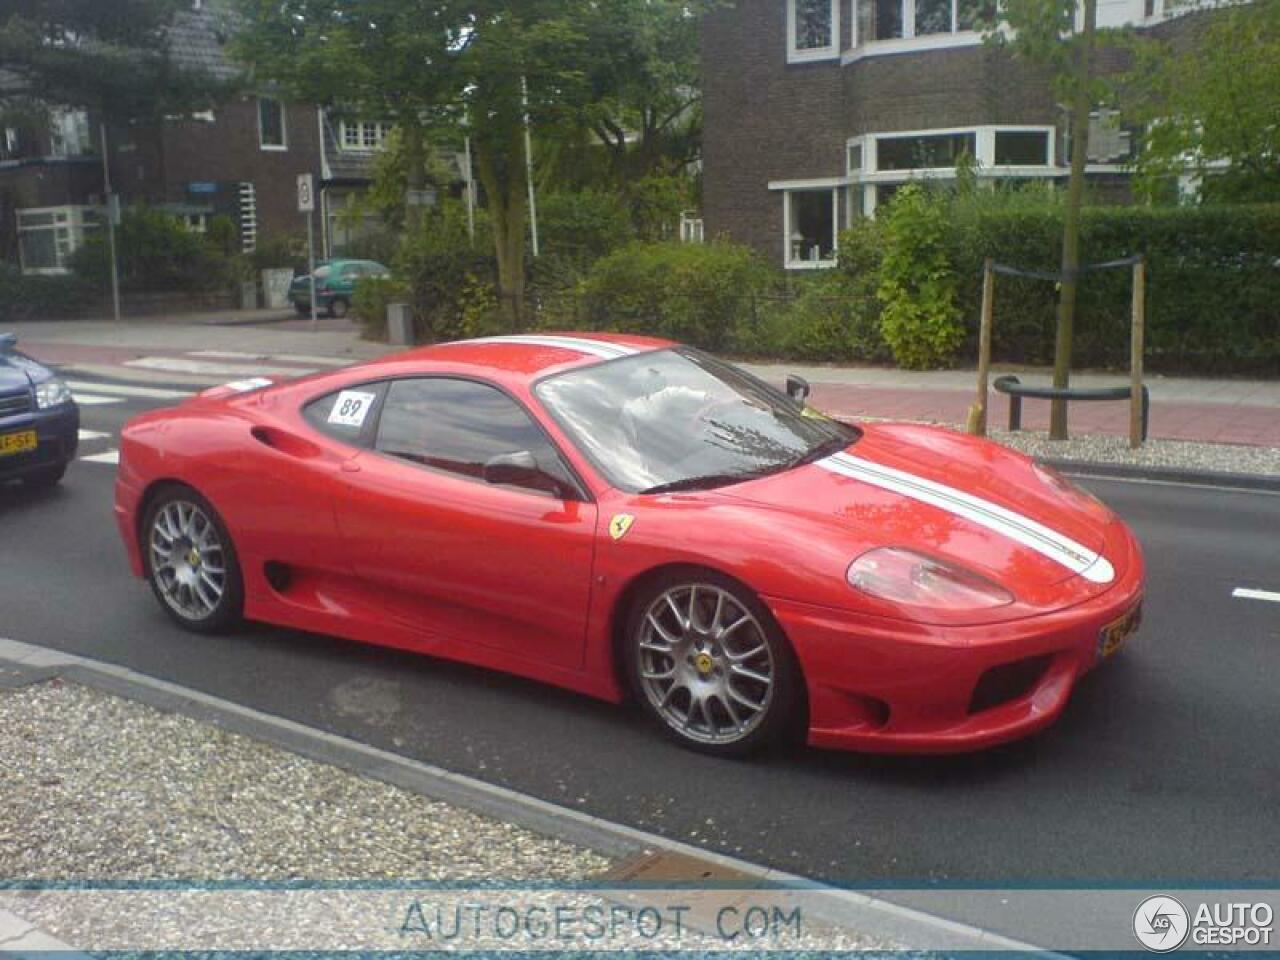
point(812, 29)
point(366, 137)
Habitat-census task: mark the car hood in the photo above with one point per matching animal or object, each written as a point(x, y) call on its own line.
point(951, 496)
point(17, 371)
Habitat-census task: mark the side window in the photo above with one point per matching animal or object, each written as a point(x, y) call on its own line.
point(347, 415)
point(457, 426)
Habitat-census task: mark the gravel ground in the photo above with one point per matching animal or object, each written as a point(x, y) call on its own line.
point(97, 787)
point(1176, 454)
point(1103, 448)
point(101, 789)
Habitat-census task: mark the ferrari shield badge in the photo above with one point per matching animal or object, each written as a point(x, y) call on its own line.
point(620, 524)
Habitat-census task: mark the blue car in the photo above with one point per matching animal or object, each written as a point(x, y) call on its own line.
point(39, 420)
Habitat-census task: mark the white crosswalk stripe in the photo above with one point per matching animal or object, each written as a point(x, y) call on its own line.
point(210, 368)
point(93, 399)
point(126, 390)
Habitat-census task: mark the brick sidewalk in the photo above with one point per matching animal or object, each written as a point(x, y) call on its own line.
point(1170, 419)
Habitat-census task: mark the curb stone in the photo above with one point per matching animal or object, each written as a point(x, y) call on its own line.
point(1248, 482)
point(858, 911)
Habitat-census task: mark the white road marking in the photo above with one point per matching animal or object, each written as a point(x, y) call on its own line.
point(92, 400)
point(127, 390)
point(184, 365)
point(111, 456)
point(299, 358)
point(1244, 593)
point(92, 435)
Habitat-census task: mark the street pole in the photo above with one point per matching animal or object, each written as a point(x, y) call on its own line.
point(528, 163)
point(111, 225)
point(311, 267)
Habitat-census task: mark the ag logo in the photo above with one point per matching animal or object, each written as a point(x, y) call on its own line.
point(1161, 924)
point(620, 524)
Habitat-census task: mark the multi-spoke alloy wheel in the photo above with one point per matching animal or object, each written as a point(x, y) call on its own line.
point(708, 667)
point(191, 561)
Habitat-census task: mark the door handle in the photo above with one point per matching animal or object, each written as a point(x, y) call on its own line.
point(350, 466)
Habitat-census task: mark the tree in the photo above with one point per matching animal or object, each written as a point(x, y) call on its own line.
point(108, 56)
point(1212, 108)
point(1047, 32)
point(491, 67)
point(644, 104)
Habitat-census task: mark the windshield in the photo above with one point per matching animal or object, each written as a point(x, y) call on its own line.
point(679, 419)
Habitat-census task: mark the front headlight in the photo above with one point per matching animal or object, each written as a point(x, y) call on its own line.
point(52, 393)
point(904, 576)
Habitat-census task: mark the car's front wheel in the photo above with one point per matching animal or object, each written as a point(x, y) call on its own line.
point(191, 561)
point(709, 664)
point(339, 308)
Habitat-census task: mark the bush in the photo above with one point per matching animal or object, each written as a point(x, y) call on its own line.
point(822, 318)
point(579, 228)
point(369, 305)
point(1213, 282)
point(446, 279)
point(42, 298)
point(156, 252)
point(921, 321)
point(696, 293)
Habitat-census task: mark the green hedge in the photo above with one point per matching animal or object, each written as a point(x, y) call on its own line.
point(696, 293)
point(42, 298)
point(1213, 283)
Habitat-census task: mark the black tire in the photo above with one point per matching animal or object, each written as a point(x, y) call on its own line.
point(303, 309)
point(339, 307)
point(45, 478)
point(228, 611)
point(706, 663)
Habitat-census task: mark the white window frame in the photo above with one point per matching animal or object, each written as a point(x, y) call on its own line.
point(833, 185)
point(909, 41)
point(72, 221)
point(360, 128)
point(829, 52)
point(283, 145)
point(869, 176)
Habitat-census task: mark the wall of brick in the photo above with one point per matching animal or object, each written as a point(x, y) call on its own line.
point(769, 120)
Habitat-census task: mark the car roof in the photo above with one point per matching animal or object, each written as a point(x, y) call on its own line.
point(530, 355)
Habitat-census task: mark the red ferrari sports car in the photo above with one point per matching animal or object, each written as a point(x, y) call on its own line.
point(623, 515)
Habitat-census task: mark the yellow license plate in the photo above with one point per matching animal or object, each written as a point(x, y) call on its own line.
point(1114, 635)
point(11, 443)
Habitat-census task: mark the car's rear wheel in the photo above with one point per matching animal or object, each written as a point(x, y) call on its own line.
point(45, 477)
point(191, 561)
point(339, 308)
point(709, 664)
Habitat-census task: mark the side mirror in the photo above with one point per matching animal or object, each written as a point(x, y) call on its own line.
point(8, 341)
point(519, 469)
point(798, 389)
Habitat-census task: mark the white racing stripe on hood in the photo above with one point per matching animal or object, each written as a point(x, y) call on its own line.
point(596, 348)
point(1056, 546)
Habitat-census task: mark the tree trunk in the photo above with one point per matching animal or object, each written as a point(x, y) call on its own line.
point(1081, 104)
point(504, 185)
point(415, 153)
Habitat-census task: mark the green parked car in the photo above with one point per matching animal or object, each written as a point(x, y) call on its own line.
point(335, 285)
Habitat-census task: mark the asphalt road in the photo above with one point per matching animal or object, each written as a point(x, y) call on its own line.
point(1165, 767)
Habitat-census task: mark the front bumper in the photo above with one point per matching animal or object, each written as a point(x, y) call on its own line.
point(888, 686)
point(57, 439)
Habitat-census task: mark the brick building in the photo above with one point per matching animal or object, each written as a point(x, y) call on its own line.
point(817, 110)
point(240, 160)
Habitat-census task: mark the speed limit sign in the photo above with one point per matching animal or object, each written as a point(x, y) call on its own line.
point(306, 193)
